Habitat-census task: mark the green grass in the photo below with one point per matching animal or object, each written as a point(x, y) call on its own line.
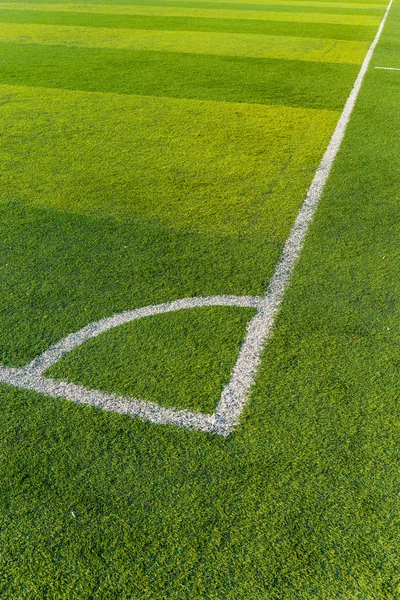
point(345, 9)
point(302, 500)
point(178, 75)
point(178, 360)
point(215, 12)
point(93, 267)
point(186, 163)
point(318, 30)
point(225, 44)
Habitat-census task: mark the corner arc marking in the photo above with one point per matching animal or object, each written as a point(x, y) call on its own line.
point(31, 376)
point(50, 356)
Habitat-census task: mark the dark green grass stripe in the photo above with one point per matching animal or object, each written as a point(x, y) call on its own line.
point(314, 30)
point(389, 49)
point(232, 79)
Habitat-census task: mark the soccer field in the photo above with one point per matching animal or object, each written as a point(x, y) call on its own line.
point(155, 155)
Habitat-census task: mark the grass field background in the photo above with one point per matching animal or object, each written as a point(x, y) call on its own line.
point(158, 150)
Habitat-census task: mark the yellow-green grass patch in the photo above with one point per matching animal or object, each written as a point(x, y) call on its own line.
point(257, 46)
point(276, 28)
point(201, 165)
point(268, 4)
point(172, 11)
point(310, 3)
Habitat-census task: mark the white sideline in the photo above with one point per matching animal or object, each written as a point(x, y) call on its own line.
point(235, 395)
point(387, 68)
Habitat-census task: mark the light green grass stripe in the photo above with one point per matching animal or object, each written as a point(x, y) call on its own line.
point(310, 3)
point(301, 17)
point(313, 30)
point(256, 46)
point(261, 8)
point(224, 167)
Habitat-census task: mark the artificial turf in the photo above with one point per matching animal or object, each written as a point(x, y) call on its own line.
point(286, 28)
point(301, 501)
point(178, 360)
point(220, 169)
point(178, 75)
point(215, 43)
point(286, 7)
point(233, 12)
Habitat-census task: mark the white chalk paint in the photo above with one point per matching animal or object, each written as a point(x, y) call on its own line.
point(235, 395)
point(31, 376)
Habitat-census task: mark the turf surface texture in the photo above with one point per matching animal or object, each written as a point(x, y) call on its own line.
point(158, 150)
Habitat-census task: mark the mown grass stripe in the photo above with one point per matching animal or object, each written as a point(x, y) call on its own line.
point(179, 75)
point(285, 8)
point(86, 271)
point(314, 30)
point(256, 7)
point(279, 4)
point(149, 2)
point(305, 17)
point(210, 166)
point(356, 5)
point(257, 46)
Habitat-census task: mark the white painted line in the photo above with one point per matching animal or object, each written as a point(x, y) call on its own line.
point(31, 376)
point(147, 411)
point(235, 395)
point(388, 68)
point(40, 364)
